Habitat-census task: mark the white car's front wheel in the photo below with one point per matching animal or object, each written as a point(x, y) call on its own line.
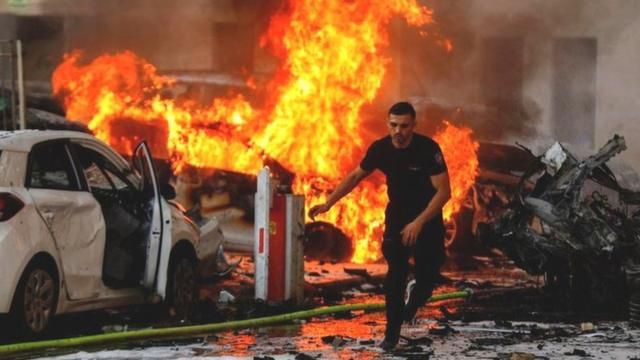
point(181, 287)
point(35, 300)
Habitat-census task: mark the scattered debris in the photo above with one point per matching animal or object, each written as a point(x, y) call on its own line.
point(447, 314)
point(413, 352)
point(368, 287)
point(358, 271)
point(520, 356)
point(424, 340)
point(114, 328)
point(493, 341)
point(504, 324)
point(572, 222)
point(577, 352)
point(335, 340)
point(441, 329)
point(587, 327)
point(302, 356)
point(225, 297)
point(344, 315)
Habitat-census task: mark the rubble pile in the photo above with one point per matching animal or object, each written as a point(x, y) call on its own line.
point(571, 222)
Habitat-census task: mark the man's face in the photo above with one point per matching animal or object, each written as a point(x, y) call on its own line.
point(401, 129)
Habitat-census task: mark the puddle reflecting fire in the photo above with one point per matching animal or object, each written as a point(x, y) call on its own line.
point(355, 337)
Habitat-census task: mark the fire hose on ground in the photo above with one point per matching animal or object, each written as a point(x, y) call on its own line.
point(102, 339)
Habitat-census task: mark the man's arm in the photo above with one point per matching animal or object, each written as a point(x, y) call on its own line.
point(346, 185)
point(443, 194)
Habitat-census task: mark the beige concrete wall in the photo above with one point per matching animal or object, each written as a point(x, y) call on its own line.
point(7, 27)
point(618, 105)
point(184, 36)
point(171, 35)
point(614, 23)
point(47, 7)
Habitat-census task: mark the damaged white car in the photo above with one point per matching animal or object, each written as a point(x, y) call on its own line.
point(82, 229)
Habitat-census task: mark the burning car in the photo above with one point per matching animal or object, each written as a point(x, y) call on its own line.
point(81, 228)
point(572, 222)
point(228, 197)
point(500, 167)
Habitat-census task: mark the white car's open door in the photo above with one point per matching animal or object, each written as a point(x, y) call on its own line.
point(143, 163)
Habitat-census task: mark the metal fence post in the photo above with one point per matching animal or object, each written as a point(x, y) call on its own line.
point(12, 91)
point(21, 97)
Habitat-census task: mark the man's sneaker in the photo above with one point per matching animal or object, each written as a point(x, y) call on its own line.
point(410, 307)
point(388, 345)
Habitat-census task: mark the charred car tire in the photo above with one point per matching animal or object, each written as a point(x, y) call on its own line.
point(458, 236)
point(450, 231)
point(182, 284)
point(35, 301)
point(326, 242)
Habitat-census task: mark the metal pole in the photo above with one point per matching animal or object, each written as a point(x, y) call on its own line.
point(262, 233)
point(6, 84)
point(21, 106)
point(14, 96)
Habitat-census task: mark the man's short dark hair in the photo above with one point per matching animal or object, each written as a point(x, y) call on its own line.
point(402, 108)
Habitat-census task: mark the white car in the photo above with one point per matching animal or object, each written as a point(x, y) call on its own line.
point(82, 229)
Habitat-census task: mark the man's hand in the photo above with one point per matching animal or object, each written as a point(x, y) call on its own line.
point(318, 209)
point(410, 232)
point(344, 187)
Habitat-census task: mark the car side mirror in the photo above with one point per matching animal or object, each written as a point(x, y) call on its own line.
point(167, 191)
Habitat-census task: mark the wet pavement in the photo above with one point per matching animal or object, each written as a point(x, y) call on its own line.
point(356, 338)
point(508, 318)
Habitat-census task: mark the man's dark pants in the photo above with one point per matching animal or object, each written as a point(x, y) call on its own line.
point(428, 255)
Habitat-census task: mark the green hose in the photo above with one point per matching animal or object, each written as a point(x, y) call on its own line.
point(201, 329)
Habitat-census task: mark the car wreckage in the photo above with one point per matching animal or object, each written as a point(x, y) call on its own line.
point(571, 222)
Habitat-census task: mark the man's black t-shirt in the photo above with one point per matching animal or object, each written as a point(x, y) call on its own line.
point(408, 173)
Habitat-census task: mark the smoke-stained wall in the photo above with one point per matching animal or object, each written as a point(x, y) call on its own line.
point(509, 75)
point(8, 27)
point(195, 35)
point(576, 62)
point(618, 80)
point(192, 35)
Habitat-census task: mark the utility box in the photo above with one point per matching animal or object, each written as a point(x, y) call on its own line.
point(278, 249)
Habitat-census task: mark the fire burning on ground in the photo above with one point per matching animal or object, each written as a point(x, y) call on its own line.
point(332, 63)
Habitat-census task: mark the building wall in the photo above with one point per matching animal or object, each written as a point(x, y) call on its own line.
point(613, 24)
point(460, 78)
point(185, 36)
point(220, 36)
point(8, 27)
point(194, 35)
point(618, 106)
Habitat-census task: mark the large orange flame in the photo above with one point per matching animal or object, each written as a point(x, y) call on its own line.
point(460, 152)
point(332, 63)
